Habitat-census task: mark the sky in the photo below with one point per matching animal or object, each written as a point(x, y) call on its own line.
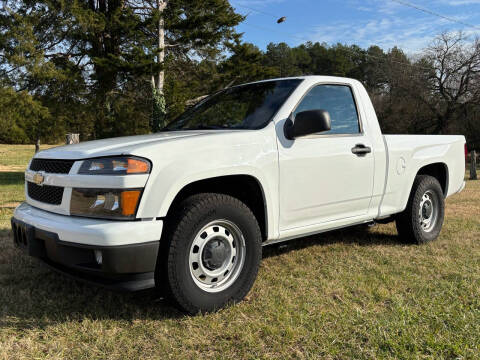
point(385, 23)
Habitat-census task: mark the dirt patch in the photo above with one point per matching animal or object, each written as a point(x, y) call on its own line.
point(11, 205)
point(8, 168)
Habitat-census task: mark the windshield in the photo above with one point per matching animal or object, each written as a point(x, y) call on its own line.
point(250, 106)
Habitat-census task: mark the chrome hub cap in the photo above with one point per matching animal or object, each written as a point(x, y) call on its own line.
point(428, 212)
point(217, 255)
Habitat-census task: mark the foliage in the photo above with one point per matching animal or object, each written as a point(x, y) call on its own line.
point(21, 117)
point(245, 65)
point(86, 55)
point(159, 110)
point(90, 65)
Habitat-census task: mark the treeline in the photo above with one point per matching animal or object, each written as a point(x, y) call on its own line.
point(98, 68)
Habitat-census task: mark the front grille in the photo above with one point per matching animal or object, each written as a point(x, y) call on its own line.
point(52, 166)
point(46, 193)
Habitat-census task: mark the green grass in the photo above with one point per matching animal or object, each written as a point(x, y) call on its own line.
point(13, 161)
point(12, 185)
point(357, 293)
point(17, 156)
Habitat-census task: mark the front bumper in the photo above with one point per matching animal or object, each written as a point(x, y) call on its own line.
point(129, 249)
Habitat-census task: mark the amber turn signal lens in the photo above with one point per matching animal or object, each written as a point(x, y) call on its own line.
point(129, 201)
point(136, 166)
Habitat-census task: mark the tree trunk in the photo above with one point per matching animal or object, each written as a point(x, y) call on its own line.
point(37, 146)
point(473, 165)
point(72, 139)
point(158, 80)
point(161, 45)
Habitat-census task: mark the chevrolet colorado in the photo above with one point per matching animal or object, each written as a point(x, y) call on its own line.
point(189, 208)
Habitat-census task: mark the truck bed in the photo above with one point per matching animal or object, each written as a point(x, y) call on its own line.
point(407, 153)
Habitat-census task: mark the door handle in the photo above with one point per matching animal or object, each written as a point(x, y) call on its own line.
point(361, 150)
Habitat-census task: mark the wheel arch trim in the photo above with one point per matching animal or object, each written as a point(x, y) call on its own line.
point(170, 196)
point(422, 170)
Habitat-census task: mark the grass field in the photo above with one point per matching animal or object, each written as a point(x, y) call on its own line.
point(356, 293)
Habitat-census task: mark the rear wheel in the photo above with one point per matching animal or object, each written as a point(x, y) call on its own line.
point(422, 220)
point(213, 252)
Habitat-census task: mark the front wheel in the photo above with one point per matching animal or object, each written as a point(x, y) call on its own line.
point(422, 220)
point(214, 252)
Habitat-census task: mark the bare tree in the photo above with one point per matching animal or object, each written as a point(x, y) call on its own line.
point(453, 81)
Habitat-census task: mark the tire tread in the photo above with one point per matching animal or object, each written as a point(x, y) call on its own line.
point(182, 219)
point(406, 222)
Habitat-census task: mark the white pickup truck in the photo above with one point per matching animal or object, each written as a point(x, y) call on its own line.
point(188, 209)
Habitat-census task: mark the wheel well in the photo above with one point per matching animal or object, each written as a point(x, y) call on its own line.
point(245, 188)
point(438, 171)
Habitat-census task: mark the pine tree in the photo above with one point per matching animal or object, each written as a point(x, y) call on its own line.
point(184, 29)
point(111, 43)
point(245, 65)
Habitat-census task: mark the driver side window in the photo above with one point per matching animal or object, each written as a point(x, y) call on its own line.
point(339, 102)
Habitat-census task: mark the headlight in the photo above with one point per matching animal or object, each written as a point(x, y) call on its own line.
point(117, 204)
point(121, 165)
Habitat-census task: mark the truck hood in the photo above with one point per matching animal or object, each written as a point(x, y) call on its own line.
point(128, 145)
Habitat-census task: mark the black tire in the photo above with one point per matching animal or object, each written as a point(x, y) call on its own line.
point(174, 269)
point(412, 224)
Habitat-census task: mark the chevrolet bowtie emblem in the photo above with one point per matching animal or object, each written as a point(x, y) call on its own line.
point(38, 178)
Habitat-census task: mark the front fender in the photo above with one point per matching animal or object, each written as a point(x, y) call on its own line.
point(254, 156)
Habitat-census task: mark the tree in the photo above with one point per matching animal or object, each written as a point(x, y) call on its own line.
point(22, 118)
point(116, 67)
point(375, 69)
point(109, 42)
point(281, 57)
point(452, 77)
point(245, 65)
point(183, 29)
point(98, 41)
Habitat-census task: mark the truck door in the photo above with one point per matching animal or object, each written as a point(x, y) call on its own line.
point(328, 176)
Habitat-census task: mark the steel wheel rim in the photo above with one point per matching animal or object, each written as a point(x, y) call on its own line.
point(216, 256)
point(428, 211)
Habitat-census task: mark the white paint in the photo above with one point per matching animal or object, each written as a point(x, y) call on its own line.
point(90, 231)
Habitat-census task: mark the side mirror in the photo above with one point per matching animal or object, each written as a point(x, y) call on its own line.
point(306, 123)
